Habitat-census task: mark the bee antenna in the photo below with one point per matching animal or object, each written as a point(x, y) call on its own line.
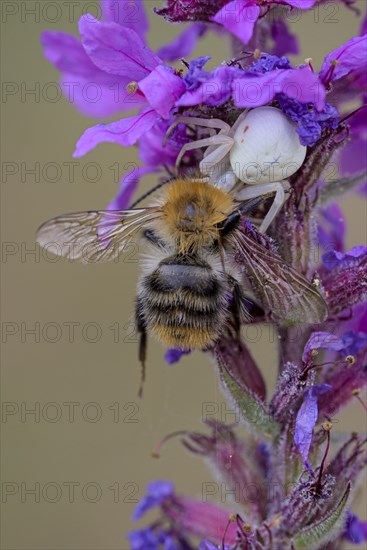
point(142, 197)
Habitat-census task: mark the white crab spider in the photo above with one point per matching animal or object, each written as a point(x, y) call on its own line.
point(262, 149)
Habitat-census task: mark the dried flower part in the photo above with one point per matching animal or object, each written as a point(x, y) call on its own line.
point(235, 464)
point(287, 393)
point(350, 460)
point(344, 379)
point(178, 11)
point(200, 518)
point(240, 364)
point(346, 284)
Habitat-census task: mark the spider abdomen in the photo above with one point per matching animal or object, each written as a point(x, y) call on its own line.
point(266, 147)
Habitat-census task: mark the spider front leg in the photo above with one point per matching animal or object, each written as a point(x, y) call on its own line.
point(260, 189)
point(224, 142)
point(215, 123)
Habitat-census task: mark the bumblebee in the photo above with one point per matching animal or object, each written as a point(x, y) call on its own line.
point(199, 250)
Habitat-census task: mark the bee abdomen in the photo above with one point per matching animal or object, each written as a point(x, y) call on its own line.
point(184, 305)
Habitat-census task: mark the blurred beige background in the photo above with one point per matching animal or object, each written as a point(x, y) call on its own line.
point(90, 435)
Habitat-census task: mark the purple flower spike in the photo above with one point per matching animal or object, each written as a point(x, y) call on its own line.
point(355, 530)
point(307, 418)
point(157, 493)
point(173, 355)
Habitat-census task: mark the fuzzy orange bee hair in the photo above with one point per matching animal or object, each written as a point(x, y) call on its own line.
point(192, 210)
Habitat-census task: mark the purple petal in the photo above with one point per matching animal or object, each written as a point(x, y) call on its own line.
point(300, 84)
point(144, 539)
point(92, 98)
point(151, 150)
point(184, 44)
point(67, 54)
point(307, 418)
point(331, 230)
point(124, 132)
point(157, 492)
point(196, 75)
point(162, 88)
point(216, 89)
point(116, 49)
point(93, 91)
point(353, 156)
point(173, 355)
point(335, 259)
point(128, 186)
point(354, 341)
point(322, 340)
point(364, 25)
point(129, 14)
point(355, 530)
point(351, 57)
point(284, 41)
point(207, 545)
point(239, 17)
point(301, 4)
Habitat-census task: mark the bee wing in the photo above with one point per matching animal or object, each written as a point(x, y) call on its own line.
point(279, 287)
point(94, 236)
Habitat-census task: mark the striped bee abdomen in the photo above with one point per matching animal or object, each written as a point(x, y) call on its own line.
point(183, 302)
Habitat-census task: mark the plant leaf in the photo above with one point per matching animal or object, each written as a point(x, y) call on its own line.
point(252, 410)
point(324, 529)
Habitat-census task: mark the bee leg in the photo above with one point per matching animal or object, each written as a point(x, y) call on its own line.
point(231, 223)
point(150, 236)
point(238, 305)
point(143, 340)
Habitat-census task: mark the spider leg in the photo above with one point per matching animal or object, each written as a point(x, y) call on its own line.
point(258, 190)
point(224, 145)
point(208, 150)
point(214, 140)
point(215, 123)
